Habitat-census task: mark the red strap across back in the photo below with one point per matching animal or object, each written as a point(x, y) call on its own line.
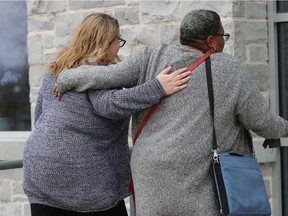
point(155, 106)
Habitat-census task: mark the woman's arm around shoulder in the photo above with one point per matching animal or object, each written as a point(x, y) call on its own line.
point(122, 74)
point(117, 104)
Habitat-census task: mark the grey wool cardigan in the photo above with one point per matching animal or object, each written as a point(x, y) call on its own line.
point(170, 159)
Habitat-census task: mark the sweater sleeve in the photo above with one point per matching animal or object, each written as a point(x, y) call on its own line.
point(253, 112)
point(117, 104)
point(38, 107)
point(123, 74)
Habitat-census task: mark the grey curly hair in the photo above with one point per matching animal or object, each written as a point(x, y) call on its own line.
point(199, 24)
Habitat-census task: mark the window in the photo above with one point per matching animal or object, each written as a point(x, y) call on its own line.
point(282, 6)
point(14, 86)
point(278, 57)
point(282, 29)
point(282, 45)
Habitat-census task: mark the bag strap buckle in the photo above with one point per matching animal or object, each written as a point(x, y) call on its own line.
point(215, 156)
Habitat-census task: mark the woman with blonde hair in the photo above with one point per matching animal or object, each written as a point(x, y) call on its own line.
point(76, 161)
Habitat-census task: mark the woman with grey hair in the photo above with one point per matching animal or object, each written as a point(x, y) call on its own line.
point(171, 157)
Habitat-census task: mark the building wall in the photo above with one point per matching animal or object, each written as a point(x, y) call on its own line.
point(50, 23)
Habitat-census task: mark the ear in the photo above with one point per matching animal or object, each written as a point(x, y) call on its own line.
point(210, 41)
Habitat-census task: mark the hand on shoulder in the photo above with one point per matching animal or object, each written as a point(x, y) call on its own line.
point(175, 81)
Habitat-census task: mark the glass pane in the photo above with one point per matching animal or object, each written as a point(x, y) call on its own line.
point(14, 87)
point(282, 6)
point(283, 67)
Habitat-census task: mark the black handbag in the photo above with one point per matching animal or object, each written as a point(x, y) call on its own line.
point(237, 178)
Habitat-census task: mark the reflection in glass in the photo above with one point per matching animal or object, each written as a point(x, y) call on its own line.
point(282, 6)
point(14, 87)
point(283, 67)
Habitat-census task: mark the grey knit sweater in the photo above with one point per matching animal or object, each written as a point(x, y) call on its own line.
point(170, 160)
point(77, 158)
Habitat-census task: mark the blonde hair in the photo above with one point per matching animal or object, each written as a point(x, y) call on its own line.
point(90, 42)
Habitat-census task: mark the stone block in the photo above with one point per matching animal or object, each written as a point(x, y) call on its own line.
point(238, 9)
point(106, 11)
point(19, 198)
point(132, 2)
point(36, 74)
point(27, 211)
point(250, 31)
point(34, 91)
point(15, 174)
point(35, 49)
point(66, 24)
point(137, 36)
point(17, 188)
point(45, 7)
point(240, 53)
point(49, 41)
point(11, 209)
point(61, 41)
point(259, 74)
point(87, 4)
point(170, 34)
point(258, 53)
point(40, 23)
point(223, 8)
point(5, 190)
point(256, 10)
point(228, 26)
point(49, 57)
point(127, 16)
point(151, 13)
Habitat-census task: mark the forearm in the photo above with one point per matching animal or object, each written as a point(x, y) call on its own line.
point(258, 117)
point(123, 74)
point(116, 104)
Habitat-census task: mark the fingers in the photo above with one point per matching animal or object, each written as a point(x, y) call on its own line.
point(183, 80)
point(56, 92)
point(182, 75)
point(58, 96)
point(179, 88)
point(166, 70)
point(173, 82)
point(55, 89)
point(180, 71)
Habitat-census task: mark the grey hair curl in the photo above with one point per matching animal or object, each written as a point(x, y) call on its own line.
point(199, 24)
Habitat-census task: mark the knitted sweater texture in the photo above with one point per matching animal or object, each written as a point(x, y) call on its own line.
point(171, 158)
point(77, 157)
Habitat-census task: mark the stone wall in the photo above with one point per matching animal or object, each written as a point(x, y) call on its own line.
point(50, 23)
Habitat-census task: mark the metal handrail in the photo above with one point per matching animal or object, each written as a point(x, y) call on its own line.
point(10, 164)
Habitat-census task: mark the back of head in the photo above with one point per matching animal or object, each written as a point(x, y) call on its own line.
point(198, 25)
point(90, 42)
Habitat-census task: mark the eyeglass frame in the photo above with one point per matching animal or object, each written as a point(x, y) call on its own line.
point(226, 36)
point(121, 40)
